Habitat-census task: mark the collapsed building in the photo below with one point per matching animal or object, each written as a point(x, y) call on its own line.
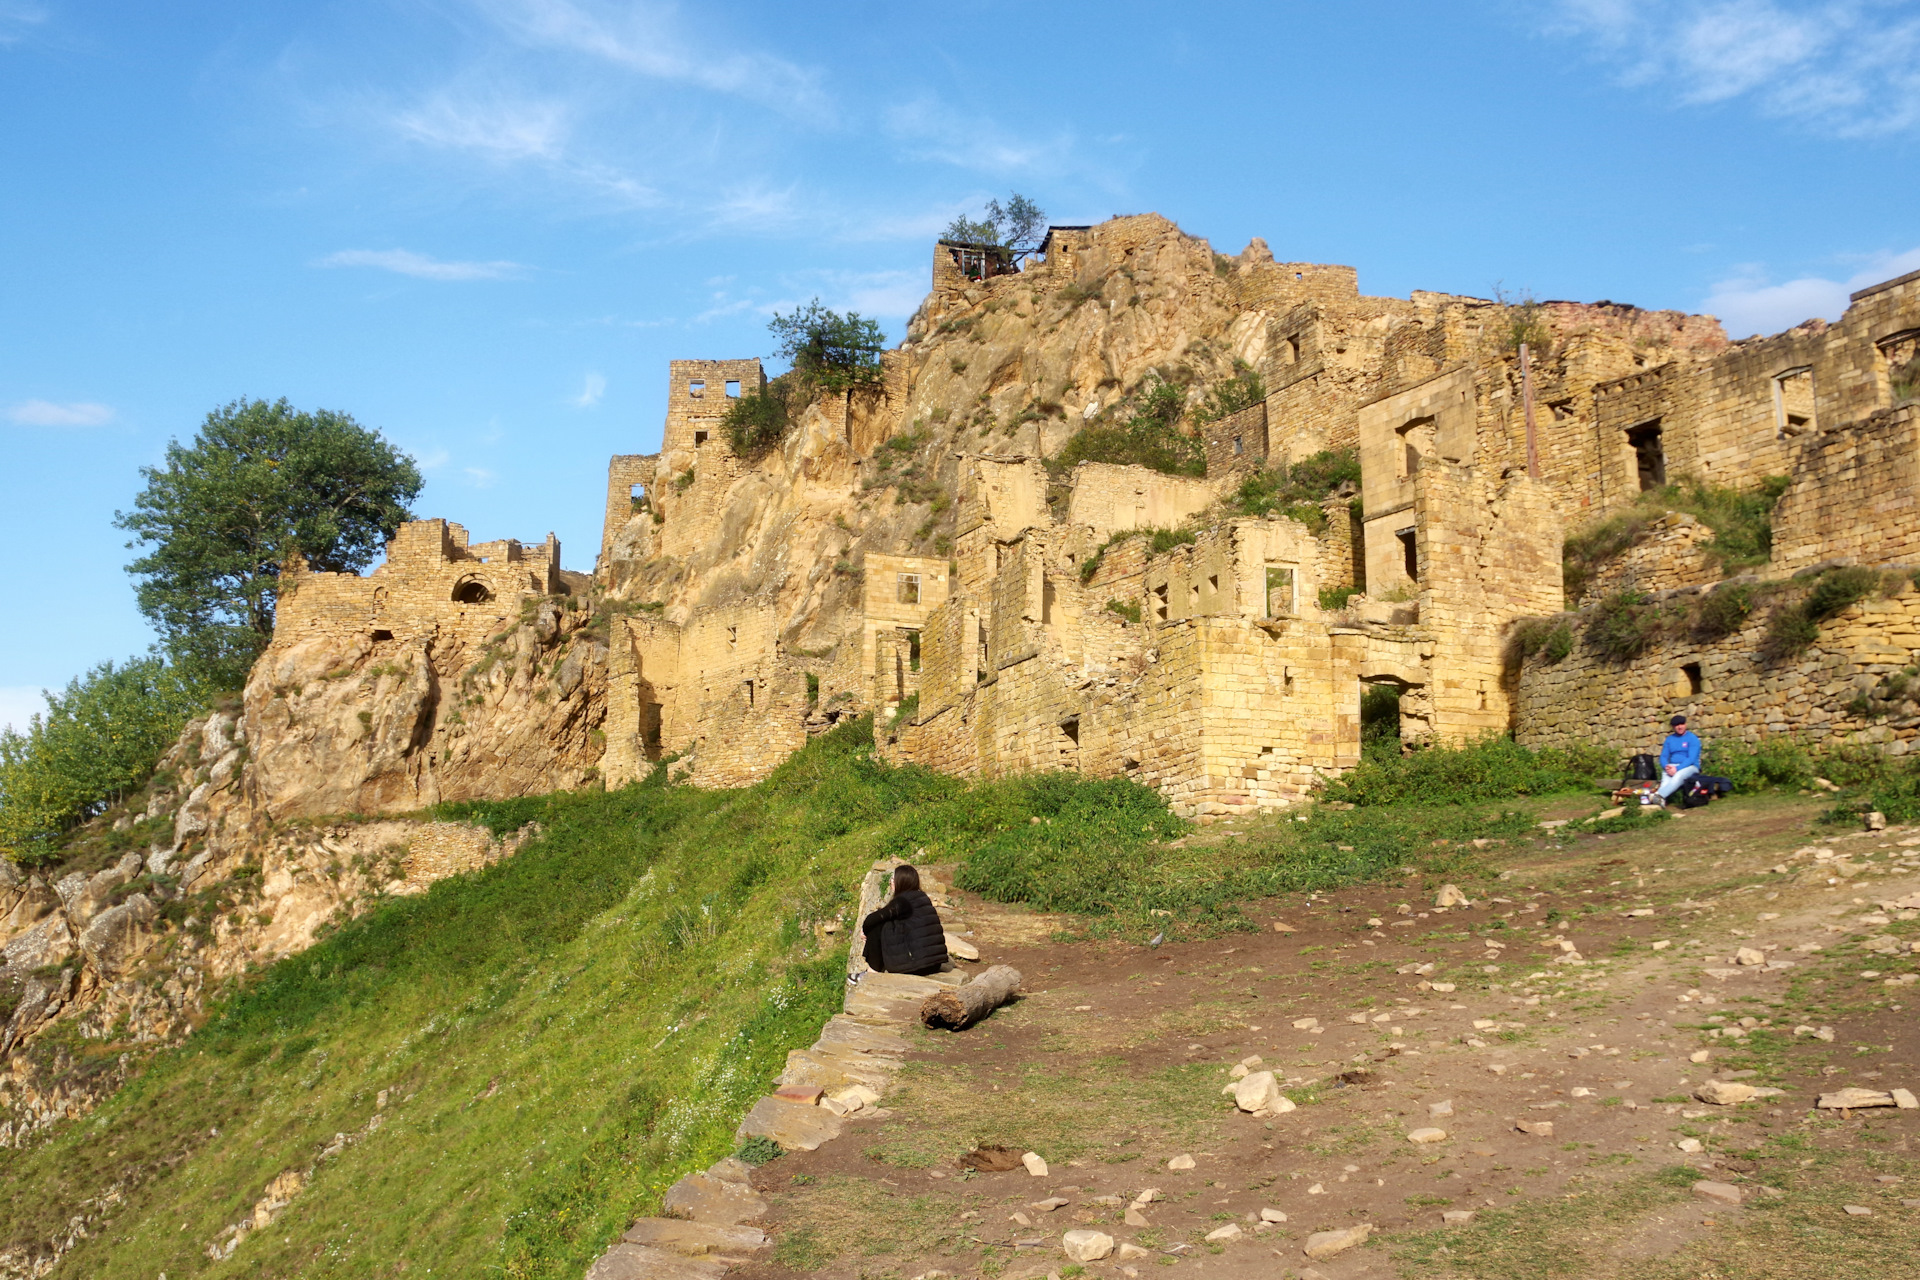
point(913, 546)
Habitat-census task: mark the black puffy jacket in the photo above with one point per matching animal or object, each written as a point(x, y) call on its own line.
point(909, 935)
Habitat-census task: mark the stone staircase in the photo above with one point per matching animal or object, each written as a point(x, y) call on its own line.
point(842, 1077)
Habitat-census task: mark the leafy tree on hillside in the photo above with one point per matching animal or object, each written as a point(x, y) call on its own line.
point(830, 350)
point(1020, 225)
point(95, 742)
point(259, 483)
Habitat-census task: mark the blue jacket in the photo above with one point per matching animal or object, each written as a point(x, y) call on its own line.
point(1681, 750)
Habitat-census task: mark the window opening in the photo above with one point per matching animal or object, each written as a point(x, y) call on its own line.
point(1649, 458)
point(908, 589)
point(913, 650)
point(650, 730)
point(1691, 670)
point(471, 592)
point(1409, 552)
point(637, 496)
point(1291, 350)
point(1900, 363)
point(733, 638)
point(1280, 598)
point(378, 636)
point(1239, 446)
point(749, 685)
point(1046, 600)
point(1160, 601)
point(733, 388)
point(1416, 442)
point(1070, 743)
point(1793, 401)
point(1193, 599)
point(696, 389)
point(1562, 410)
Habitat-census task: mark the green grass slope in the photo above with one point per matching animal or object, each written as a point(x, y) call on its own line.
point(561, 1035)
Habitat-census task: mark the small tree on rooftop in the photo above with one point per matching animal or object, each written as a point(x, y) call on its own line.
point(1018, 226)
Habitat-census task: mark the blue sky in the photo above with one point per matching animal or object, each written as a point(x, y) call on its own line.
point(483, 226)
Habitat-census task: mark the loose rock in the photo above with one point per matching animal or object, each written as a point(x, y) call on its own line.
point(1087, 1246)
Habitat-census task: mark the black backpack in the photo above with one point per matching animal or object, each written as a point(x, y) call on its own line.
point(1698, 790)
point(1641, 768)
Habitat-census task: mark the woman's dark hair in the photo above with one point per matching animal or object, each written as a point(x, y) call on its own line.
point(905, 878)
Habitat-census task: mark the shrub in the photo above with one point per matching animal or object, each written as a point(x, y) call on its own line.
point(1625, 625)
point(1380, 721)
point(1159, 542)
point(1333, 598)
point(829, 350)
point(1149, 435)
point(1551, 638)
point(1774, 761)
point(1491, 769)
point(1794, 628)
point(1741, 521)
point(1241, 391)
point(1724, 610)
point(1126, 609)
point(758, 421)
point(1296, 490)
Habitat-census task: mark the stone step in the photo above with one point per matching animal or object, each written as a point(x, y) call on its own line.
point(697, 1239)
point(844, 1034)
point(795, 1126)
point(700, 1197)
point(831, 1070)
point(638, 1262)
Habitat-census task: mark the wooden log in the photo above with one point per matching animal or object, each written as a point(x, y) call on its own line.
point(958, 1008)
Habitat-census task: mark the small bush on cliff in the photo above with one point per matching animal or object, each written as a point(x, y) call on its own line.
point(96, 742)
point(1142, 431)
point(1241, 391)
point(830, 351)
point(1723, 610)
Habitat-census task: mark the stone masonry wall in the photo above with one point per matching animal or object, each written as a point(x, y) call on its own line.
point(1855, 495)
point(1740, 696)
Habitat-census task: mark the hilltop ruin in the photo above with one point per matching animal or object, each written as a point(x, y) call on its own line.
point(910, 546)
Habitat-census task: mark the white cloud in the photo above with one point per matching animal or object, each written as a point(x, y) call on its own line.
point(642, 38)
point(45, 413)
point(19, 703)
point(1845, 67)
point(15, 17)
point(932, 131)
point(1749, 304)
point(506, 129)
point(407, 263)
point(590, 394)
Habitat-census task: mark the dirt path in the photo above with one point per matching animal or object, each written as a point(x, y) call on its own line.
point(1543, 1003)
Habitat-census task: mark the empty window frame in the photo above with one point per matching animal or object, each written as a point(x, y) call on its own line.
point(913, 650)
point(733, 388)
point(1160, 602)
point(699, 438)
point(1793, 401)
point(1239, 446)
point(1280, 597)
point(1409, 552)
point(1415, 441)
point(1690, 672)
point(696, 389)
point(1649, 455)
point(907, 590)
point(1900, 364)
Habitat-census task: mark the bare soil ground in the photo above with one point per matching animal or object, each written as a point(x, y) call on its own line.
point(1113, 1063)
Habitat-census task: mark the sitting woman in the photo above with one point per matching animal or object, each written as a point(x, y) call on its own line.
point(905, 935)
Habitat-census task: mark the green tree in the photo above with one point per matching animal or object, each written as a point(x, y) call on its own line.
point(260, 483)
point(95, 742)
point(1019, 226)
point(829, 350)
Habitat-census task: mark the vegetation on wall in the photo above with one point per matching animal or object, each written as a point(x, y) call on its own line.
point(1297, 489)
point(1019, 226)
point(260, 484)
point(758, 421)
point(1741, 520)
point(96, 742)
point(1159, 542)
point(1241, 391)
point(1793, 628)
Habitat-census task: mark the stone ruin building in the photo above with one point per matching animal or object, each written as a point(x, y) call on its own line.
point(906, 549)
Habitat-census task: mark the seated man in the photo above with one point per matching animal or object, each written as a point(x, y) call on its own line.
point(1679, 760)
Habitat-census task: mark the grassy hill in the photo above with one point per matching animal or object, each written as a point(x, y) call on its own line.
point(558, 1037)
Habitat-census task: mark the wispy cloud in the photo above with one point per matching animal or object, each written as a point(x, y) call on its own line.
point(16, 19)
point(1749, 303)
point(511, 128)
point(1845, 67)
point(930, 130)
point(590, 394)
point(480, 477)
point(407, 263)
point(46, 413)
point(645, 39)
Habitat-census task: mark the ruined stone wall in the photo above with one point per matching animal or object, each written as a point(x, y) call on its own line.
point(1237, 442)
point(1112, 499)
point(1855, 495)
point(624, 472)
point(1728, 691)
point(1672, 553)
point(698, 393)
point(1489, 553)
